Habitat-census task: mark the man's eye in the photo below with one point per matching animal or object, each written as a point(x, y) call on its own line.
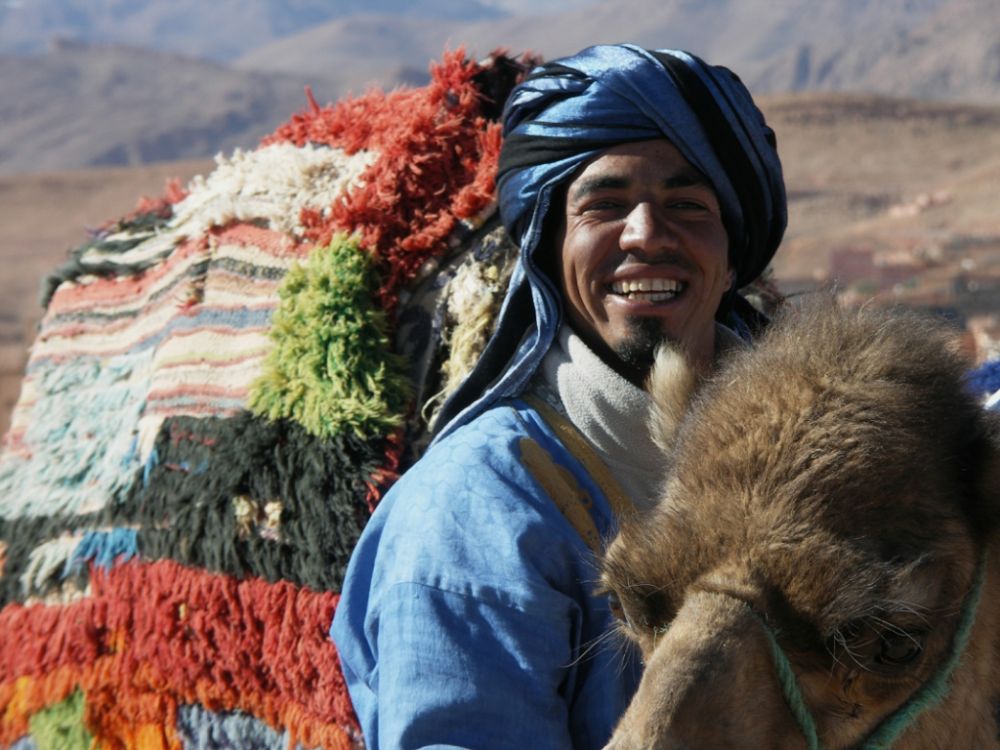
point(602, 205)
point(684, 205)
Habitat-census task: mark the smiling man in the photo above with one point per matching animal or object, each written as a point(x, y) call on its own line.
point(644, 189)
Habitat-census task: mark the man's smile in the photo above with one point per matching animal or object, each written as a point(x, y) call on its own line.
point(647, 290)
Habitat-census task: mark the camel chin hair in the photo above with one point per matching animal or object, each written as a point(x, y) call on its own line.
point(672, 384)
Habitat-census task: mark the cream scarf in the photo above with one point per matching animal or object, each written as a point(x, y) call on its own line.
point(611, 412)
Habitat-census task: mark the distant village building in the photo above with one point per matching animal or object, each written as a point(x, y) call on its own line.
point(954, 277)
point(985, 331)
point(851, 264)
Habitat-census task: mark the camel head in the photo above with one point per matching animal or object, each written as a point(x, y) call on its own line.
point(818, 571)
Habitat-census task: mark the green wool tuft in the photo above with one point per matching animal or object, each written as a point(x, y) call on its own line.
point(332, 369)
point(60, 727)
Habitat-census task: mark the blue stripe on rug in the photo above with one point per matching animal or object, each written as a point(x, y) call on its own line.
point(103, 548)
point(227, 730)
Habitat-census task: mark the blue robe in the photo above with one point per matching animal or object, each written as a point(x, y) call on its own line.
point(468, 616)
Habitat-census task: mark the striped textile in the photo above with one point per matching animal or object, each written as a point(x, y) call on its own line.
point(177, 504)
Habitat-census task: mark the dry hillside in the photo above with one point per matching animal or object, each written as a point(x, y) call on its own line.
point(871, 169)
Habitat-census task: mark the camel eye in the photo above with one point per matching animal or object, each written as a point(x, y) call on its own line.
point(879, 647)
point(899, 649)
point(615, 605)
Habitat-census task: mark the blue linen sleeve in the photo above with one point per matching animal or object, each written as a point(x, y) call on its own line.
point(465, 610)
point(456, 671)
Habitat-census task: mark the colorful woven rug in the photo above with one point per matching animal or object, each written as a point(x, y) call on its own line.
point(223, 386)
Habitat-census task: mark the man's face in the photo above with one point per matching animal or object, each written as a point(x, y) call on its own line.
point(644, 255)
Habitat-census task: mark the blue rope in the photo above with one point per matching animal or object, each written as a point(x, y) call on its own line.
point(929, 695)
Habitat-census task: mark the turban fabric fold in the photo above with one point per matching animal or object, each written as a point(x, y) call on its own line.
point(569, 111)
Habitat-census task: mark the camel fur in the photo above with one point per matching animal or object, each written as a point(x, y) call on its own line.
point(837, 486)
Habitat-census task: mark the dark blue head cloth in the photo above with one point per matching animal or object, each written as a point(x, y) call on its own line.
point(570, 110)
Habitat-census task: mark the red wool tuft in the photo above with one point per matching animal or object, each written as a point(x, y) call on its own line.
point(174, 192)
point(386, 474)
point(154, 636)
point(437, 159)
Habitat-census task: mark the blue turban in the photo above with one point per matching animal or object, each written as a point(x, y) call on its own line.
point(566, 113)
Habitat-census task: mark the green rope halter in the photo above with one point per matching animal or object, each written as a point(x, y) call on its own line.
point(929, 695)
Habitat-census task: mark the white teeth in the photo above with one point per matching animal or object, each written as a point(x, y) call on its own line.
point(652, 296)
point(645, 286)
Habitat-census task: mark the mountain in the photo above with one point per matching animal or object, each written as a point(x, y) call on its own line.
point(942, 49)
point(80, 104)
point(92, 106)
point(369, 48)
point(935, 50)
point(218, 30)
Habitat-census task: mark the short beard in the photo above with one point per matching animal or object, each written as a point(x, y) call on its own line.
point(638, 350)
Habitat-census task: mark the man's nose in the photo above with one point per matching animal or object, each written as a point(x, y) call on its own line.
point(645, 232)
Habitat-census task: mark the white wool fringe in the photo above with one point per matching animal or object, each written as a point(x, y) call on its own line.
point(47, 562)
point(272, 184)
